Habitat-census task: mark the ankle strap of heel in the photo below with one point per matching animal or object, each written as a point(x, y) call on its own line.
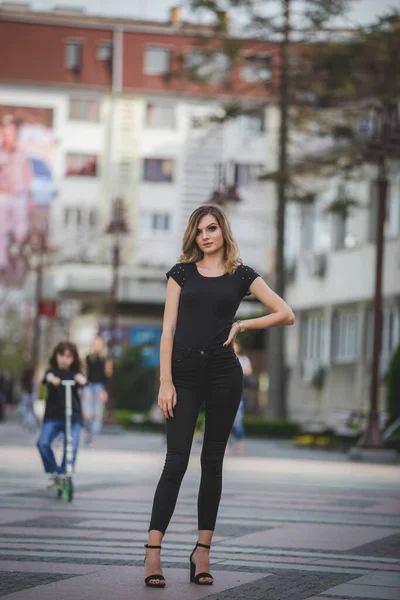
point(151, 547)
point(203, 545)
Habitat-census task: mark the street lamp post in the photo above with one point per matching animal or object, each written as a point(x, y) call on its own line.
point(116, 228)
point(384, 144)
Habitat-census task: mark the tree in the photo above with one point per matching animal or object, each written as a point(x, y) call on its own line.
point(279, 28)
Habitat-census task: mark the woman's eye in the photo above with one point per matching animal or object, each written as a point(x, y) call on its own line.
point(213, 228)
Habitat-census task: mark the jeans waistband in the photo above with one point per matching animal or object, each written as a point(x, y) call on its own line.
point(205, 350)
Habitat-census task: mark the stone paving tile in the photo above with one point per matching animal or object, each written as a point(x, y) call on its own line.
point(386, 546)
point(126, 583)
point(360, 564)
point(348, 590)
point(47, 521)
point(383, 579)
point(315, 537)
point(34, 531)
point(302, 567)
point(289, 585)
point(17, 581)
point(47, 567)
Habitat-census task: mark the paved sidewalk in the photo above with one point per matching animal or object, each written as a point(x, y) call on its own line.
point(293, 525)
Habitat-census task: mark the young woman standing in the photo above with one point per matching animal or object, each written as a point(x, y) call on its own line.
point(198, 363)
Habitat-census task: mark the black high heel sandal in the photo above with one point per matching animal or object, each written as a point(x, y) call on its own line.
point(196, 578)
point(160, 578)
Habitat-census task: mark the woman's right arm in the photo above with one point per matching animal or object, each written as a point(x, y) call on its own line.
point(167, 393)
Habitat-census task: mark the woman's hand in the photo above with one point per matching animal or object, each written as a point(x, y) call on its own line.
point(167, 398)
point(79, 378)
point(234, 332)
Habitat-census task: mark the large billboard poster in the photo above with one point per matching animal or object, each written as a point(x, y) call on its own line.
point(27, 184)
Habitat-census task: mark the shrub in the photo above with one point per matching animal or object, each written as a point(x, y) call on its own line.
point(272, 428)
point(134, 383)
point(393, 386)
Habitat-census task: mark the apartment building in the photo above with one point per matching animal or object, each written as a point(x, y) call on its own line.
point(119, 122)
point(331, 273)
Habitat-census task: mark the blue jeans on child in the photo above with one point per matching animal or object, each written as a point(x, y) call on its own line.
point(50, 430)
point(93, 406)
point(238, 428)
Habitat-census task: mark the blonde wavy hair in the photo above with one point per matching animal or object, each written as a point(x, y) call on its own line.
point(190, 250)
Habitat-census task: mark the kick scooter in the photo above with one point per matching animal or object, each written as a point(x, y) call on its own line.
point(67, 486)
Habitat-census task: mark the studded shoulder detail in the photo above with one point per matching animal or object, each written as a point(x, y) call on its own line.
point(178, 273)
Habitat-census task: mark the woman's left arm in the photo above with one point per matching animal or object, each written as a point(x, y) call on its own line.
point(281, 313)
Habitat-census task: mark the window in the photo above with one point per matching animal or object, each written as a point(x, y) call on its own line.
point(256, 67)
point(72, 55)
point(83, 109)
point(160, 221)
point(246, 174)
point(156, 61)
point(346, 337)
point(68, 216)
point(92, 219)
point(208, 67)
point(308, 228)
point(104, 50)
point(393, 209)
point(197, 122)
point(82, 165)
point(313, 332)
point(158, 169)
point(251, 124)
point(160, 116)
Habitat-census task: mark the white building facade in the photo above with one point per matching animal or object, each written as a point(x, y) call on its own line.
point(331, 289)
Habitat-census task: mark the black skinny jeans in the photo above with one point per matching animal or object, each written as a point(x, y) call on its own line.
point(215, 377)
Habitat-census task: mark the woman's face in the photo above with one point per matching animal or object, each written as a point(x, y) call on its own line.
point(65, 360)
point(209, 236)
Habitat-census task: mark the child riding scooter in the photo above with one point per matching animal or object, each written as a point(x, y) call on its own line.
point(64, 365)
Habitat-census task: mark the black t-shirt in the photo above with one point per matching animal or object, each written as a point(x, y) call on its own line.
point(208, 305)
point(55, 404)
point(95, 369)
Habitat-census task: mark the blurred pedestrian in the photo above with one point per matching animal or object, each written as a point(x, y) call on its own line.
point(28, 396)
point(98, 373)
point(238, 427)
point(198, 364)
point(64, 365)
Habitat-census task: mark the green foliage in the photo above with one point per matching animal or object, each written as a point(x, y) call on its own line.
point(255, 427)
point(342, 206)
point(271, 428)
point(251, 338)
point(393, 386)
point(11, 348)
point(134, 383)
point(364, 66)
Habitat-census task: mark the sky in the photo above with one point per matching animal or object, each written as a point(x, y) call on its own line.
point(362, 13)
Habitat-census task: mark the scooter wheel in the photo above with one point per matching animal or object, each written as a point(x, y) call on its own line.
point(69, 489)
